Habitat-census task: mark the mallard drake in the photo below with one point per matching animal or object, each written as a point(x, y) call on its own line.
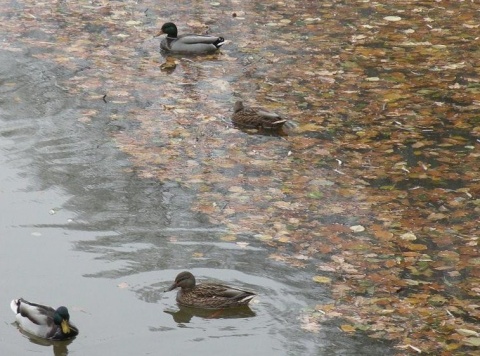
point(208, 295)
point(257, 118)
point(43, 321)
point(188, 44)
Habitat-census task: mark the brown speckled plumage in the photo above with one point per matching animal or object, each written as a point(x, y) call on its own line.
point(256, 118)
point(208, 295)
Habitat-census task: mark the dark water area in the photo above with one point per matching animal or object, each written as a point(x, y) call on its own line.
point(78, 227)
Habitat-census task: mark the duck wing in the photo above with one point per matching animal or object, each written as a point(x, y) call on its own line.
point(269, 115)
point(271, 120)
point(224, 292)
point(205, 39)
point(36, 313)
point(259, 118)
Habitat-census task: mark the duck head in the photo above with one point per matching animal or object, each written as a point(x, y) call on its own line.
point(61, 318)
point(168, 28)
point(184, 280)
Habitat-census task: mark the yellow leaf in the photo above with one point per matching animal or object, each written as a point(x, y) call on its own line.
point(416, 247)
point(263, 237)
point(321, 279)
point(310, 127)
point(347, 328)
point(228, 238)
point(473, 341)
point(467, 332)
point(452, 346)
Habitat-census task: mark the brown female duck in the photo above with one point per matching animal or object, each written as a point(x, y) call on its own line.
point(208, 295)
point(256, 118)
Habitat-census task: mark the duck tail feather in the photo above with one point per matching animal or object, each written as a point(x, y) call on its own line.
point(220, 42)
point(14, 305)
point(247, 299)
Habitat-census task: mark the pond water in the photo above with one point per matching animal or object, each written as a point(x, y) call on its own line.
point(77, 227)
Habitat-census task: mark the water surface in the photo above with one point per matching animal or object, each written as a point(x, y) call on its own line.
point(79, 228)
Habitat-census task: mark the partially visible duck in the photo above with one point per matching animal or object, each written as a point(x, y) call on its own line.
point(208, 295)
point(189, 43)
point(43, 321)
point(257, 118)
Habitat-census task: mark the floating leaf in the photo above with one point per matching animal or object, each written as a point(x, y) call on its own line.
point(322, 279)
point(437, 216)
point(392, 18)
point(357, 228)
point(310, 324)
point(315, 195)
point(437, 300)
point(472, 341)
point(132, 23)
point(408, 236)
point(228, 238)
point(347, 328)
point(263, 237)
point(474, 261)
point(467, 332)
point(416, 247)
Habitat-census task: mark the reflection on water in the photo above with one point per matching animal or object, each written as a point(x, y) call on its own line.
point(185, 314)
point(59, 347)
point(259, 131)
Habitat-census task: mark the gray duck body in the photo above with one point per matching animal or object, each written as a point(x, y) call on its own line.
point(43, 321)
point(188, 43)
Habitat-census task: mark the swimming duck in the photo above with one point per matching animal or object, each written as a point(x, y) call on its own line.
point(208, 295)
point(257, 118)
point(188, 44)
point(43, 321)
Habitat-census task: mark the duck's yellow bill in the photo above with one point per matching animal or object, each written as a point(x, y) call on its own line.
point(65, 327)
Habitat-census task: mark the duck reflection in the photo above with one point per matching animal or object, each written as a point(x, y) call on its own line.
point(280, 132)
point(59, 347)
point(185, 314)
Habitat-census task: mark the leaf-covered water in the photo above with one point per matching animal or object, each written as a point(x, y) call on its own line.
point(375, 192)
